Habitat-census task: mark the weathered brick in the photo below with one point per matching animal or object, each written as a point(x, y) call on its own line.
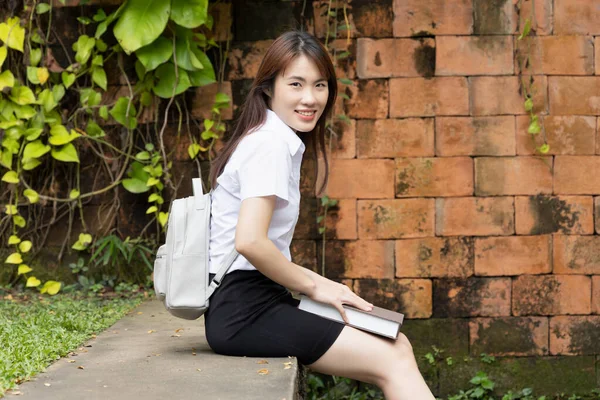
point(344, 67)
point(341, 220)
point(474, 55)
point(449, 334)
point(321, 19)
point(472, 216)
point(386, 58)
point(366, 179)
point(596, 294)
point(245, 58)
point(203, 98)
point(471, 297)
point(373, 18)
point(344, 140)
point(513, 255)
point(497, 95)
point(434, 257)
point(307, 227)
point(563, 89)
point(493, 17)
point(597, 54)
point(373, 259)
point(368, 99)
point(414, 97)
point(304, 253)
point(434, 177)
point(411, 297)
point(512, 175)
point(598, 135)
point(538, 215)
point(597, 214)
point(431, 17)
point(509, 336)
point(382, 138)
point(572, 175)
point(551, 295)
point(542, 18)
point(577, 255)
point(576, 17)
point(557, 55)
point(479, 136)
point(575, 335)
point(570, 134)
point(177, 142)
point(395, 219)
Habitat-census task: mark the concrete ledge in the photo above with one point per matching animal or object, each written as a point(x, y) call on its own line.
point(128, 362)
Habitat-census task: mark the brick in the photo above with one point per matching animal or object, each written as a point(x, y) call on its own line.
point(598, 135)
point(411, 297)
point(245, 58)
point(597, 54)
point(384, 58)
point(575, 335)
point(541, 214)
point(496, 176)
point(597, 214)
point(450, 334)
point(430, 17)
point(474, 55)
point(383, 138)
point(203, 98)
point(434, 257)
point(341, 220)
point(577, 255)
point(222, 15)
point(373, 18)
point(571, 175)
point(513, 255)
point(344, 141)
point(373, 259)
point(434, 177)
point(478, 136)
point(471, 297)
point(570, 134)
point(420, 97)
point(306, 227)
point(395, 219)
point(563, 89)
point(576, 17)
point(368, 99)
point(557, 55)
point(472, 216)
point(542, 18)
point(497, 95)
point(321, 19)
point(596, 294)
point(493, 17)
point(551, 295)
point(304, 253)
point(366, 179)
point(344, 67)
point(509, 336)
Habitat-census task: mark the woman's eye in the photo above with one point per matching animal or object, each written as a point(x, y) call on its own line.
point(295, 84)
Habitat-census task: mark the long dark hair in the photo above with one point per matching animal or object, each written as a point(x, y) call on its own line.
point(254, 110)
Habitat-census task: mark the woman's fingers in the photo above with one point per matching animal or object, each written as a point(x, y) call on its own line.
point(342, 312)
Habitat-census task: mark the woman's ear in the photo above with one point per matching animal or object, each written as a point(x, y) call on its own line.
point(268, 92)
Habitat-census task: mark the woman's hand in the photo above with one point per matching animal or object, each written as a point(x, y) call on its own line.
point(330, 292)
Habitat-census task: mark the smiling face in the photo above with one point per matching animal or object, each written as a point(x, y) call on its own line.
point(300, 94)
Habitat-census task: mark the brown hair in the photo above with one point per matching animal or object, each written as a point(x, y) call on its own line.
point(253, 113)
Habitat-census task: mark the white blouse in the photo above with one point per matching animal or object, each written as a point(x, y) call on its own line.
point(266, 162)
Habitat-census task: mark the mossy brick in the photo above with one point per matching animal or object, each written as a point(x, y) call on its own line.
point(245, 58)
point(448, 334)
point(260, 20)
point(575, 335)
point(509, 336)
point(434, 177)
point(358, 258)
point(543, 214)
point(386, 58)
point(474, 55)
point(545, 375)
point(577, 254)
point(430, 17)
point(411, 297)
point(304, 253)
point(493, 17)
point(372, 18)
point(596, 294)
point(340, 222)
point(368, 99)
point(396, 219)
point(471, 297)
point(551, 295)
point(306, 227)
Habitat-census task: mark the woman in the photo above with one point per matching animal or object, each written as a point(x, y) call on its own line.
point(256, 201)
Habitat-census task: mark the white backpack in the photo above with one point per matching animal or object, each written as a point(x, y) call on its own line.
point(181, 267)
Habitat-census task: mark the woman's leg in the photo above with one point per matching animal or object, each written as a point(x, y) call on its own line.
point(389, 364)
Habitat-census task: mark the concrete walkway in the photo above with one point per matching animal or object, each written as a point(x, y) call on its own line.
point(151, 355)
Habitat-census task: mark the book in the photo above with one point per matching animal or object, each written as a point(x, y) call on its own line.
point(379, 320)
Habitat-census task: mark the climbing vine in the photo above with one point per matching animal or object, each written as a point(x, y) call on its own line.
point(57, 122)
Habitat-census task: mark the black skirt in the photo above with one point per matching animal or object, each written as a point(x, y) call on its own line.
point(251, 315)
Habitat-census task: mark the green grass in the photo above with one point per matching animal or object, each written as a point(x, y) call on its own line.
point(37, 330)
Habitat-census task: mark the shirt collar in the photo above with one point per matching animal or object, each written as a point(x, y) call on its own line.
point(275, 123)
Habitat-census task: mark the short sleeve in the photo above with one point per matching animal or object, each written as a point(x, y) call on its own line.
point(266, 171)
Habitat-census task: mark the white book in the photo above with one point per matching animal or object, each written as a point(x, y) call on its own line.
point(379, 321)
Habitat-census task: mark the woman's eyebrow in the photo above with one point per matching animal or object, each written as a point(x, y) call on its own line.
point(301, 79)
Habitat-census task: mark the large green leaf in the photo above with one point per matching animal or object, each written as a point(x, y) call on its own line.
point(138, 178)
point(66, 153)
point(167, 81)
point(22, 95)
point(35, 150)
point(24, 112)
point(184, 53)
point(7, 79)
point(47, 100)
point(120, 114)
point(156, 53)
point(141, 22)
point(102, 26)
point(12, 33)
point(205, 76)
point(3, 54)
point(189, 13)
point(59, 135)
point(99, 77)
point(83, 47)
point(6, 157)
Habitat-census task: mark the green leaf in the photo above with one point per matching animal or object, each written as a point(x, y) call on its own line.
point(103, 112)
point(25, 246)
point(98, 61)
point(189, 13)
point(35, 56)
point(194, 149)
point(67, 79)
point(84, 20)
point(6, 158)
point(208, 124)
point(74, 194)
point(59, 135)
point(142, 156)
point(19, 221)
point(83, 47)
point(32, 75)
point(526, 29)
point(183, 51)
point(100, 16)
point(163, 217)
point(346, 81)
point(33, 282)
point(202, 78)
point(58, 91)
point(534, 127)
point(141, 22)
point(119, 113)
point(151, 210)
point(101, 45)
point(7, 79)
point(102, 26)
point(51, 287)
point(31, 195)
point(155, 197)
point(11, 177)
point(14, 258)
point(12, 34)
point(222, 98)
point(47, 100)
point(135, 185)
point(166, 81)
point(33, 133)
point(99, 77)
point(22, 95)
point(156, 53)
point(13, 239)
point(30, 164)
point(146, 99)
point(10, 209)
point(42, 8)
point(66, 153)
point(89, 97)
point(3, 54)
point(528, 104)
point(94, 130)
point(152, 181)
point(544, 149)
point(35, 149)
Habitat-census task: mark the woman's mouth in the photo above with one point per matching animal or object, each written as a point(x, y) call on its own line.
point(306, 115)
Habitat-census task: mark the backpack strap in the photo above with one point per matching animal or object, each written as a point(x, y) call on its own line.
point(199, 200)
point(221, 273)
